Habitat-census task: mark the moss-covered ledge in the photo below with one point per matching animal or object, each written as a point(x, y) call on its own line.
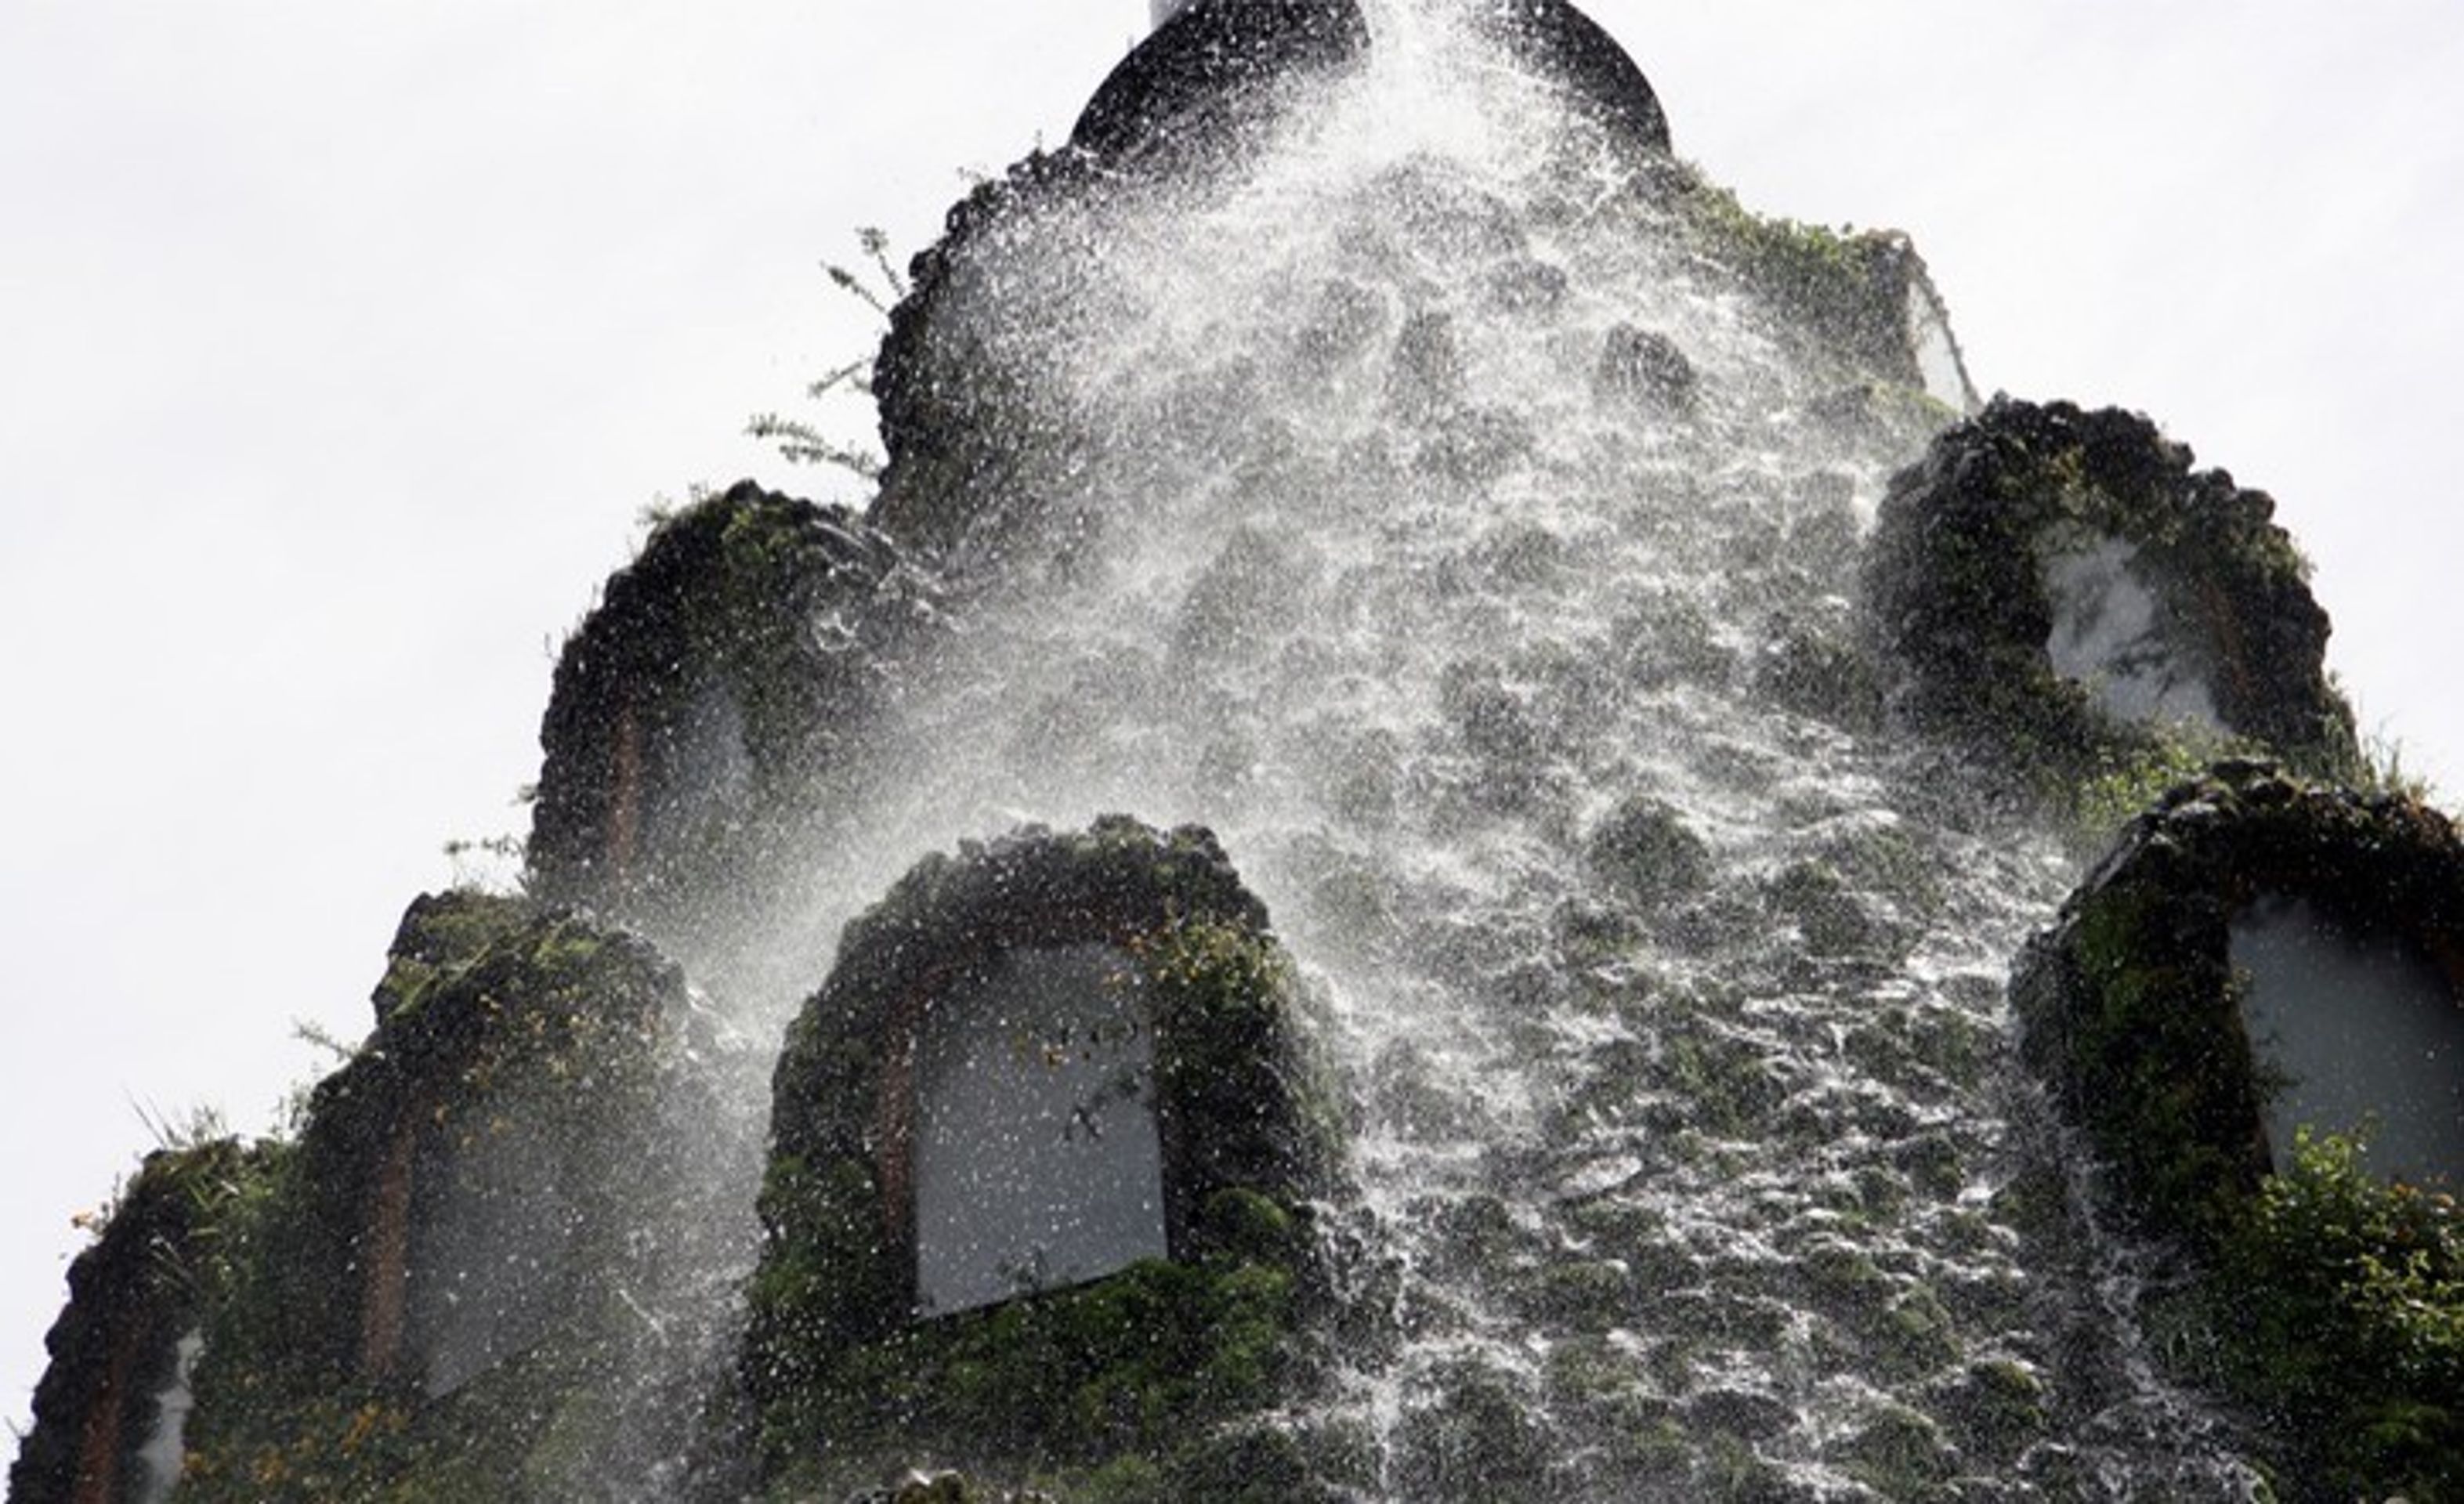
point(1117, 1387)
point(1866, 296)
point(2326, 1300)
point(1957, 593)
point(2131, 1005)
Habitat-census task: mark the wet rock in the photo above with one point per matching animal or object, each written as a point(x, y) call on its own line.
point(1425, 375)
point(2048, 584)
point(1472, 1435)
point(961, 436)
point(1740, 1412)
point(1995, 1408)
point(944, 1487)
point(1825, 674)
point(1898, 1453)
point(874, 1332)
point(1421, 211)
point(1241, 596)
point(1643, 369)
point(1346, 320)
point(1525, 286)
point(1475, 447)
point(1644, 851)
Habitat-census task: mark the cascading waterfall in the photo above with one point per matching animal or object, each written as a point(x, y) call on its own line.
point(1660, 707)
point(1669, 988)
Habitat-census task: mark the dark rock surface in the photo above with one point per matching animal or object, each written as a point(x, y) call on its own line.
point(950, 425)
point(1644, 369)
point(1197, 79)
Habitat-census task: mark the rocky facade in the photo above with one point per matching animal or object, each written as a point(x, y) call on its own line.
point(444, 1284)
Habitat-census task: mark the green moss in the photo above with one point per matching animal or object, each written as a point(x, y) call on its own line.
point(1837, 283)
point(1899, 1454)
point(1472, 1435)
point(2126, 779)
point(1644, 850)
point(1833, 920)
point(777, 618)
point(1995, 1408)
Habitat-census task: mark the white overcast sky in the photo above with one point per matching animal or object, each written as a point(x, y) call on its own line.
point(342, 344)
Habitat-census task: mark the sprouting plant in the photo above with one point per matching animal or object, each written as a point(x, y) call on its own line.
point(878, 287)
point(2125, 783)
point(482, 862)
point(307, 1031)
point(202, 1125)
point(2383, 770)
point(2378, 762)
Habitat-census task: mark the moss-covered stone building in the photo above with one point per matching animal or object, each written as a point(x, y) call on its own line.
point(427, 1293)
point(705, 713)
point(1046, 1153)
point(110, 1413)
point(2060, 591)
point(2254, 1011)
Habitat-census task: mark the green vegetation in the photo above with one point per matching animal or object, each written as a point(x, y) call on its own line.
point(707, 704)
point(2335, 1313)
point(2126, 780)
point(1844, 284)
point(500, 1025)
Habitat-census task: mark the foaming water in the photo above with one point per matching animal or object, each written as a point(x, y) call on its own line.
point(1524, 688)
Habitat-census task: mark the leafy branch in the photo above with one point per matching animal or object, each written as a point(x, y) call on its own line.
point(879, 286)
